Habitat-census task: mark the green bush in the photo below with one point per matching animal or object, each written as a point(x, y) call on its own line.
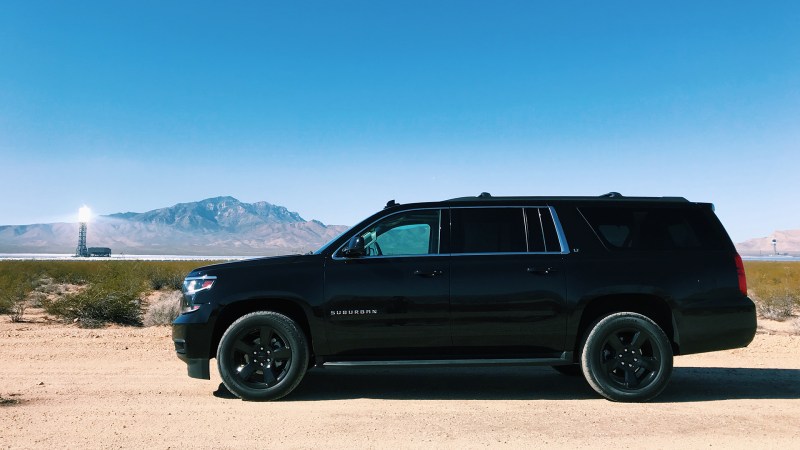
point(98, 305)
point(166, 278)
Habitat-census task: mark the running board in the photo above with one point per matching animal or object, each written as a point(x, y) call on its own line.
point(566, 358)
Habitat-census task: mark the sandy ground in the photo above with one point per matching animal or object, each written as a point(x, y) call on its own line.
point(67, 387)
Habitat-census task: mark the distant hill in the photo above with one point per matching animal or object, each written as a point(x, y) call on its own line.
point(214, 226)
point(788, 243)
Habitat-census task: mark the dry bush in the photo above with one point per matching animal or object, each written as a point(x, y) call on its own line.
point(776, 304)
point(164, 309)
point(18, 310)
point(775, 287)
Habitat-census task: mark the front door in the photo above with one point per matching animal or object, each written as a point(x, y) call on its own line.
point(393, 301)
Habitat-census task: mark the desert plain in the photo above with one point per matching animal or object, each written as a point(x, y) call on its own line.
point(62, 386)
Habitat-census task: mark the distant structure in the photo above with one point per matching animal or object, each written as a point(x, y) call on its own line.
point(774, 246)
point(99, 251)
point(83, 217)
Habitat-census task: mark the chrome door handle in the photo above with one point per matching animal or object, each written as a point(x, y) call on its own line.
point(546, 271)
point(431, 274)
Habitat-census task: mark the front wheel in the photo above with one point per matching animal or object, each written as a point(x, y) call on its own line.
point(262, 356)
point(627, 358)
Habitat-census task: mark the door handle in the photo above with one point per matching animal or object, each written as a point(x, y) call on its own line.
point(431, 274)
point(546, 271)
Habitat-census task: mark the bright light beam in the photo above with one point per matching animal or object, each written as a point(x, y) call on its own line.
point(84, 214)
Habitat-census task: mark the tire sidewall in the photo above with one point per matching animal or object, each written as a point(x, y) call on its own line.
point(289, 330)
point(591, 357)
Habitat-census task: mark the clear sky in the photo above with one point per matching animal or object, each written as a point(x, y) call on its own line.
point(332, 108)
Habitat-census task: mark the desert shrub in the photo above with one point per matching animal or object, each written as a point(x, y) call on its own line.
point(111, 293)
point(18, 305)
point(775, 287)
point(163, 310)
point(36, 299)
point(98, 305)
point(14, 294)
point(778, 307)
point(161, 277)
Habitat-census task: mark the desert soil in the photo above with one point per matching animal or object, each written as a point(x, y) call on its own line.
point(66, 387)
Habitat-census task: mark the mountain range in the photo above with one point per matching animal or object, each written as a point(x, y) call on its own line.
point(787, 242)
point(225, 226)
point(221, 226)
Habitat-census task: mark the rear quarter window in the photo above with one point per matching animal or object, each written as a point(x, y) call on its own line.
point(655, 228)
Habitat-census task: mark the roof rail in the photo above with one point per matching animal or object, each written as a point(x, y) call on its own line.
point(612, 194)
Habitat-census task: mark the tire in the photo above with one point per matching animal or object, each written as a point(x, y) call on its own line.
point(572, 370)
point(253, 371)
point(626, 357)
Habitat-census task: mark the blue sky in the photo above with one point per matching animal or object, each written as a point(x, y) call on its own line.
point(333, 108)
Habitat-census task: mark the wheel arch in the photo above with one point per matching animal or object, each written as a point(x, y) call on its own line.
point(284, 306)
point(652, 306)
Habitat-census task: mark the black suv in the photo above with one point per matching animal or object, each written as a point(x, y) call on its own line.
point(611, 287)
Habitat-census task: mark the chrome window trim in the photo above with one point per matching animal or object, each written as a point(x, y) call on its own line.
point(562, 238)
point(527, 239)
point(554, 216)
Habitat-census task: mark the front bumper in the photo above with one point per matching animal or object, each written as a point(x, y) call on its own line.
point(191, 335)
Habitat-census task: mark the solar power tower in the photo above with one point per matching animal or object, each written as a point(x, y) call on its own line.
point(83, 218)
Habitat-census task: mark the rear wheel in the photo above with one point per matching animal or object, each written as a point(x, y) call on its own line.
point(262, 356)
point(626, 357)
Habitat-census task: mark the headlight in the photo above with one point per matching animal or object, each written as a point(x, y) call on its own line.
point(193, 285)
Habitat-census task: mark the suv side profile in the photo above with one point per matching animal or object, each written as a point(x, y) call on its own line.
point(610, 287)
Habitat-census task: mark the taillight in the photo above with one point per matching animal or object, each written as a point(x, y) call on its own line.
point(740, 274)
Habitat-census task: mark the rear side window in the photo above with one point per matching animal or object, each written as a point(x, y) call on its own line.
point(654, 228)
point(488, 230)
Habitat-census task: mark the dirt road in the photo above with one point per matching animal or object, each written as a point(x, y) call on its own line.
point(66, 387)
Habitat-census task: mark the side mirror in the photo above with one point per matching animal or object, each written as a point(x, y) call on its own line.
point(354, 248)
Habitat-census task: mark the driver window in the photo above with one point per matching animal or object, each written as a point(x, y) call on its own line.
point(409, 233)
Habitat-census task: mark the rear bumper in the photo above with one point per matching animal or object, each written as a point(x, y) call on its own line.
point(708, 328)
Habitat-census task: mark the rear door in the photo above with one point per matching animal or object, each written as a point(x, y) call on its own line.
point(507, 289)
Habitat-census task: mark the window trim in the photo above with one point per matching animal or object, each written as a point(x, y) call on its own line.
point(556, 221)
point(562, 240)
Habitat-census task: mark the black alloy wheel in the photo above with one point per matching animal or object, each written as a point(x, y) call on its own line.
point(627, 357)
point(262, 356)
